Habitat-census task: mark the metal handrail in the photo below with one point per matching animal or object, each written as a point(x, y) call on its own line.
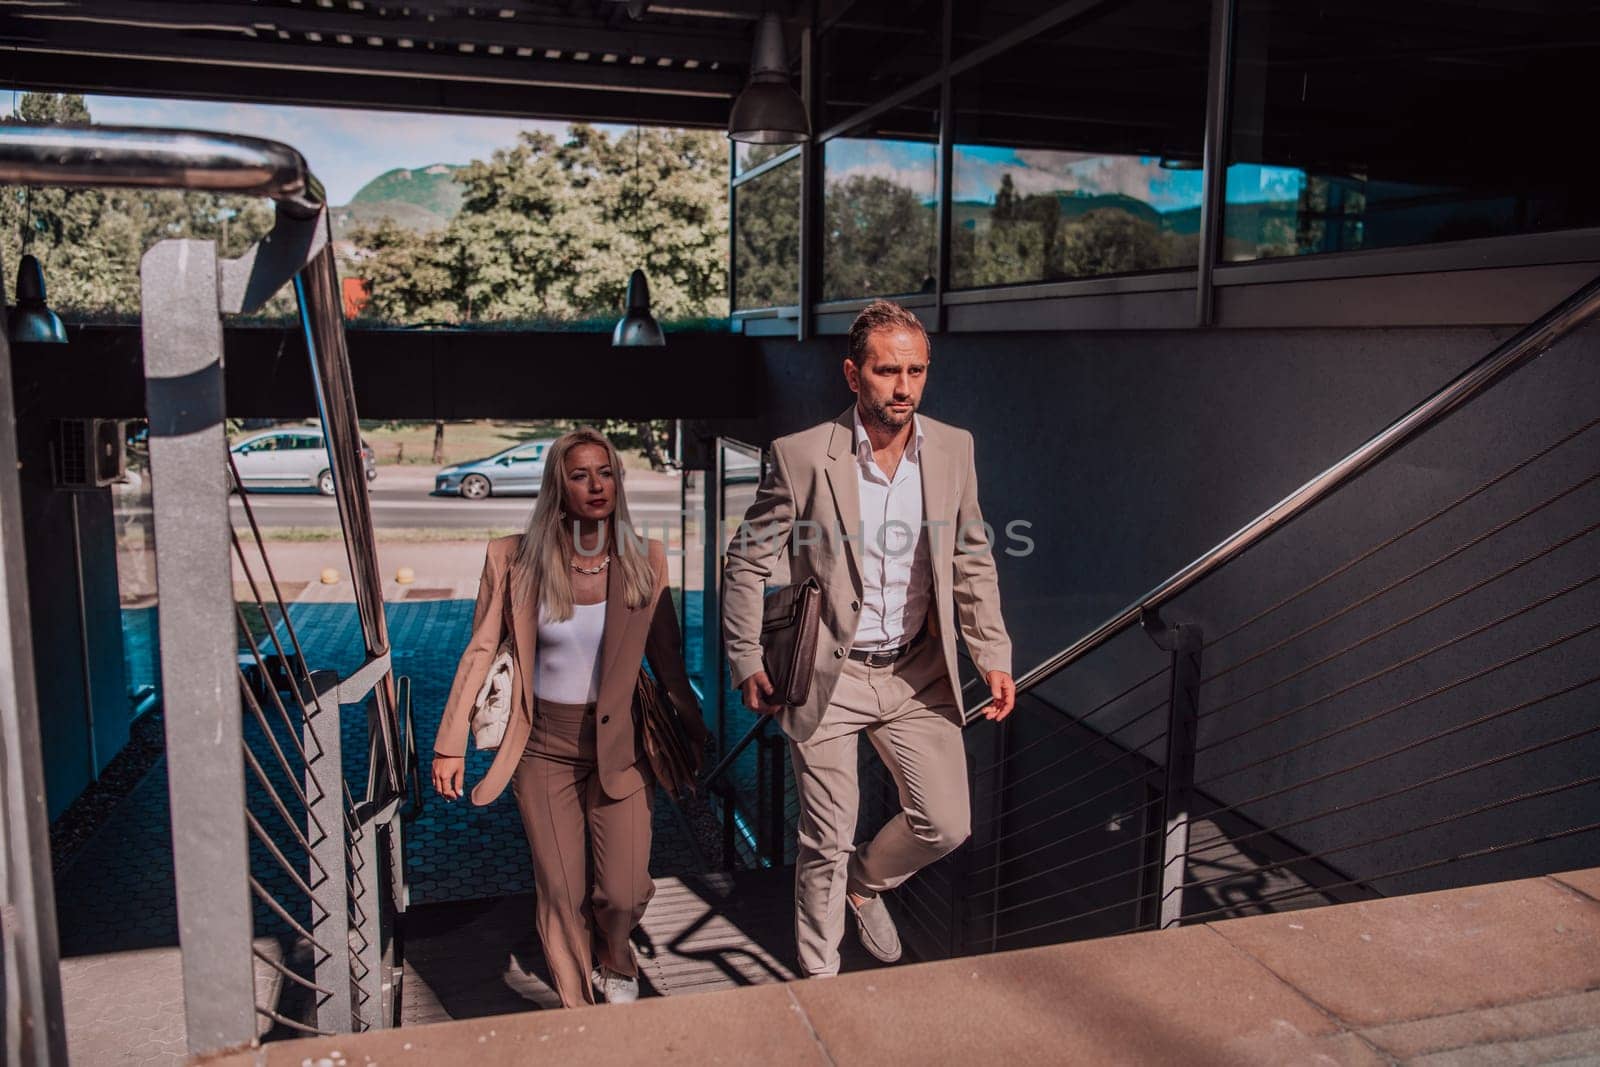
point(1526, 344)
point(149, 157)
point(67, 155)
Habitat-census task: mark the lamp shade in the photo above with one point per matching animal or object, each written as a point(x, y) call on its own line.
point(638, 328)
point(32, 320)
point(769, 111)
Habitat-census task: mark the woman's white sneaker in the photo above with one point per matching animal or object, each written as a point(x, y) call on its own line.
point(614, 988)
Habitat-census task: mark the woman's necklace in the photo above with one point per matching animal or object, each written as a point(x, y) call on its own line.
point(592, 570)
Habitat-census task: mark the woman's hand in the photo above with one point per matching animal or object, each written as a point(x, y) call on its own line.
point(448, 772)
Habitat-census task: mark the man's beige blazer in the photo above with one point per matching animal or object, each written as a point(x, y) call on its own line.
point(631, 635)
point(813, 476)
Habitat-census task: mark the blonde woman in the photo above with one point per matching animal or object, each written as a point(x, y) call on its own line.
point(585, 599)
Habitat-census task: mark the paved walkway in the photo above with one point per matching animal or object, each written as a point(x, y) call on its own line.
point(1501, 973)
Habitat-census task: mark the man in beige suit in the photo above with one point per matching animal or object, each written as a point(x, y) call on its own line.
point(880, 505)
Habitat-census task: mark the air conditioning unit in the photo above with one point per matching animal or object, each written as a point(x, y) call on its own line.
point(90, 453)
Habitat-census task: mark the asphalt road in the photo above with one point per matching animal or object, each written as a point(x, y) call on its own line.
point(404, 502)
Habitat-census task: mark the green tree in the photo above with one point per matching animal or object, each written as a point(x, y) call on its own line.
point(89, 241)
point(879, 239)
point(551, 229)
point(766, 238)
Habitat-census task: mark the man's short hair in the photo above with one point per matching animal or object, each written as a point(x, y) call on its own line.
point(877, 317)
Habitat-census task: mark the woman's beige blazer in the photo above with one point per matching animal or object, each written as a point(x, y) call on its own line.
point(630, 636)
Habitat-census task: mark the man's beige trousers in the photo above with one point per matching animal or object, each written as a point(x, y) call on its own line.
point(907, 710)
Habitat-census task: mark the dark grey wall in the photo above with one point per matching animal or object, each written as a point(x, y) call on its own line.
point(1133, 453)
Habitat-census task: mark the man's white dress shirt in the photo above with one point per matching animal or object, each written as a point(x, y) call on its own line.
point(896, 574)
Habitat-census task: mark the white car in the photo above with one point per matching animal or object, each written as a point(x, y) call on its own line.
point(290, 459)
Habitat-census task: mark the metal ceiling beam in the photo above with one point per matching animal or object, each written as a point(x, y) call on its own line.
point(198, 81)
point(261, 21)
point(366, 60)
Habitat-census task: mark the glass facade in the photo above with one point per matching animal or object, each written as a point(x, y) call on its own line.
point(880, 205)
point(766, 239)
point(1077, 152)
point(1377, 127)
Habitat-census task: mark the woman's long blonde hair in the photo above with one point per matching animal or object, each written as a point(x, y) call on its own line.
point(548, 543)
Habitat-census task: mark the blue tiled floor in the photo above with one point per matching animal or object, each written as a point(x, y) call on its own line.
point(117, 890)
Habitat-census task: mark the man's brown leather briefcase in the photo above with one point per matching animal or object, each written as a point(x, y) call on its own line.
point(789, 620)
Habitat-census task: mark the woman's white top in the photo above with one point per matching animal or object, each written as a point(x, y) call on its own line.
point(567, 662)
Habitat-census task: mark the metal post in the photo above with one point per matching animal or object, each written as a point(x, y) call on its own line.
point(946, 186)
point(1001, 755)
point(327, 874)
point(717, 681)
point(320, 308)
point(32, 1031)
point(1182, 714)
point(182, 334)
point(1214, 158)
point(960, 865)
point(810, 222)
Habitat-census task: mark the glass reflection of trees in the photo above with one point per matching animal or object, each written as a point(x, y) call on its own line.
point(879, 218)
point(1148, 219)
point(766, 236)
point(1377, 129)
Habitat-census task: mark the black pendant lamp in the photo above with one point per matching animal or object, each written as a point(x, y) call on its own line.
point(638, 328)
point(769, 111)
point(32, 320)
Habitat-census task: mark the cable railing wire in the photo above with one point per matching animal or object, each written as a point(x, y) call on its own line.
point(1089, 746)
point(1386, 712)
point(1431, 824)
point(283, 760)
point(1059, 787)
point(1341, 809)
point(1479, 853)
point(272, 794)
point(1141, 839)
point(1415, 658)
point(1481, 583)
point(289, 973)
point(1418, 743)
point(284, 1020)
point(277, 909)
point(277, 854)
point(1077, 720)
point(1138, 811)
point(1408, 531)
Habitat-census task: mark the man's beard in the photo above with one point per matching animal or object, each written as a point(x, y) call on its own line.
point(879, 412)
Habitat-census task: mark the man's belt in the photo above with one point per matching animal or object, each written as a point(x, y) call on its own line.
point(882, 657)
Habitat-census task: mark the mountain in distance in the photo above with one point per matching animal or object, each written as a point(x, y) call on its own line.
point(423, 199)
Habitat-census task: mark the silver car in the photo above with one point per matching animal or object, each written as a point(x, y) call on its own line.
point(295, 458)
point(516, 471)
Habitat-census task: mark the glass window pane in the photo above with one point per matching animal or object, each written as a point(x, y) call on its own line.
point(1077, 153)
point(766, 248)
point(880, 205)
point(875, 49)
point(1358, 127)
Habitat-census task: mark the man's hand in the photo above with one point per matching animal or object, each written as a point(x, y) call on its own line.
point(1004, 693)
point(758, 691)
point(448, 772)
